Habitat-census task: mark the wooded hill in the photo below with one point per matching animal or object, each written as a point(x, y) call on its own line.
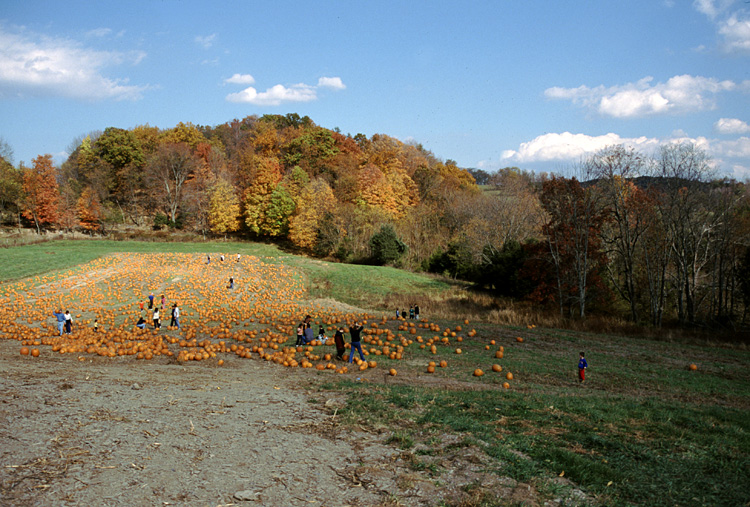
point(650, 238)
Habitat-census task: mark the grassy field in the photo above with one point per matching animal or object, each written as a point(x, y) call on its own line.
point(643, 430)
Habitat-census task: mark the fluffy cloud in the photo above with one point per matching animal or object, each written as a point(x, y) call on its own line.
point(243, 79)
point(331, 82)
point(32, 65)
point(279, 94)
point(680, 94)
point(732, 27)
point(275, 95)
point(569, 147)
point(736, 33)
point(731, 126)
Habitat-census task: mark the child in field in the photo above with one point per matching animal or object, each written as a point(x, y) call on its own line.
point(582, 365)
point(322, 335)
point(300, 334)
point(156, 318)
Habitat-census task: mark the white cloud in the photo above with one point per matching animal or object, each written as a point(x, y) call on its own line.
point(680, 94)
point(740, 172)
point(275, 95)
point(243, 79)
point(732, 27)
point(331, 82)
point(736, 33)
point(33, 65)
point(569, 147)
point(279, 94)
point(706, 7)
point(736, 148)
point(206, 41)
point(731, 126)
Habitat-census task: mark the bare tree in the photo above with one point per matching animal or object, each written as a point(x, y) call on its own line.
point(167, 171)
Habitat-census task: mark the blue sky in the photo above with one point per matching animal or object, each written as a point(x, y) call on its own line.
point(488, 84)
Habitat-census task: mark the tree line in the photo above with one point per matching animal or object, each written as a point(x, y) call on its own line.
point(653, 238)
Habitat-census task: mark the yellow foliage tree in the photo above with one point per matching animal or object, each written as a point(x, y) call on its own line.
point(315, 200)
point(224, 208)
point(257, 196)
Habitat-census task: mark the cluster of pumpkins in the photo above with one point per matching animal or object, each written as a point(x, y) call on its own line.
point(254, 319)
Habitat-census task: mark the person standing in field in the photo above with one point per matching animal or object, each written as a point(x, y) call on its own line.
point(68, 322)
point(172, 322)
point(96, 325)
point(300, 334)
point(582, 365)
point(177, 316)
point(140, 304)
point(208, 259)
point(231, 282)
point(238, 257)
point(163, 301)
point(338, 339)
point(355, 331)
point(156, 317)
point(60, 316)
point(150, 301)
point(416, 312)
point(411, 312)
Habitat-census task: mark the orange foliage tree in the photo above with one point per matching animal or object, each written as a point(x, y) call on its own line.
point(41, 193)
point(90, 212)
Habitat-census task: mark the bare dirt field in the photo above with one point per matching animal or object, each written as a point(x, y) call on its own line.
point(110, 431)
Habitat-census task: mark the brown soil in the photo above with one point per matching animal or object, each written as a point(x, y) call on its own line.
point(120, 432)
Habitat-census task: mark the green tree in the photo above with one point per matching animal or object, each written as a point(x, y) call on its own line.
point(279, 208)
point(386, 246)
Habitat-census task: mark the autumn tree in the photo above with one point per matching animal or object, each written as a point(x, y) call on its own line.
point(11, 183)
point(41, 196)
point(613, 168)
point(90, 211)
point(316, 199)
point(573, 236)
point(224, 211)
point(266, 177)
point(690, 219)
point(167, 171)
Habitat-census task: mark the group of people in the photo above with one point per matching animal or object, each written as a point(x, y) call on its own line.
point(64, 321)
point(221, 258)
point(413, 313)
point(305, 335)
point(156, 315)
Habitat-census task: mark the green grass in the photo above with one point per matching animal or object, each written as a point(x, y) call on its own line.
point(645, 430)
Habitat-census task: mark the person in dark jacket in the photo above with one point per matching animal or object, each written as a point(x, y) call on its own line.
point(354, 332)
point(338, 339)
